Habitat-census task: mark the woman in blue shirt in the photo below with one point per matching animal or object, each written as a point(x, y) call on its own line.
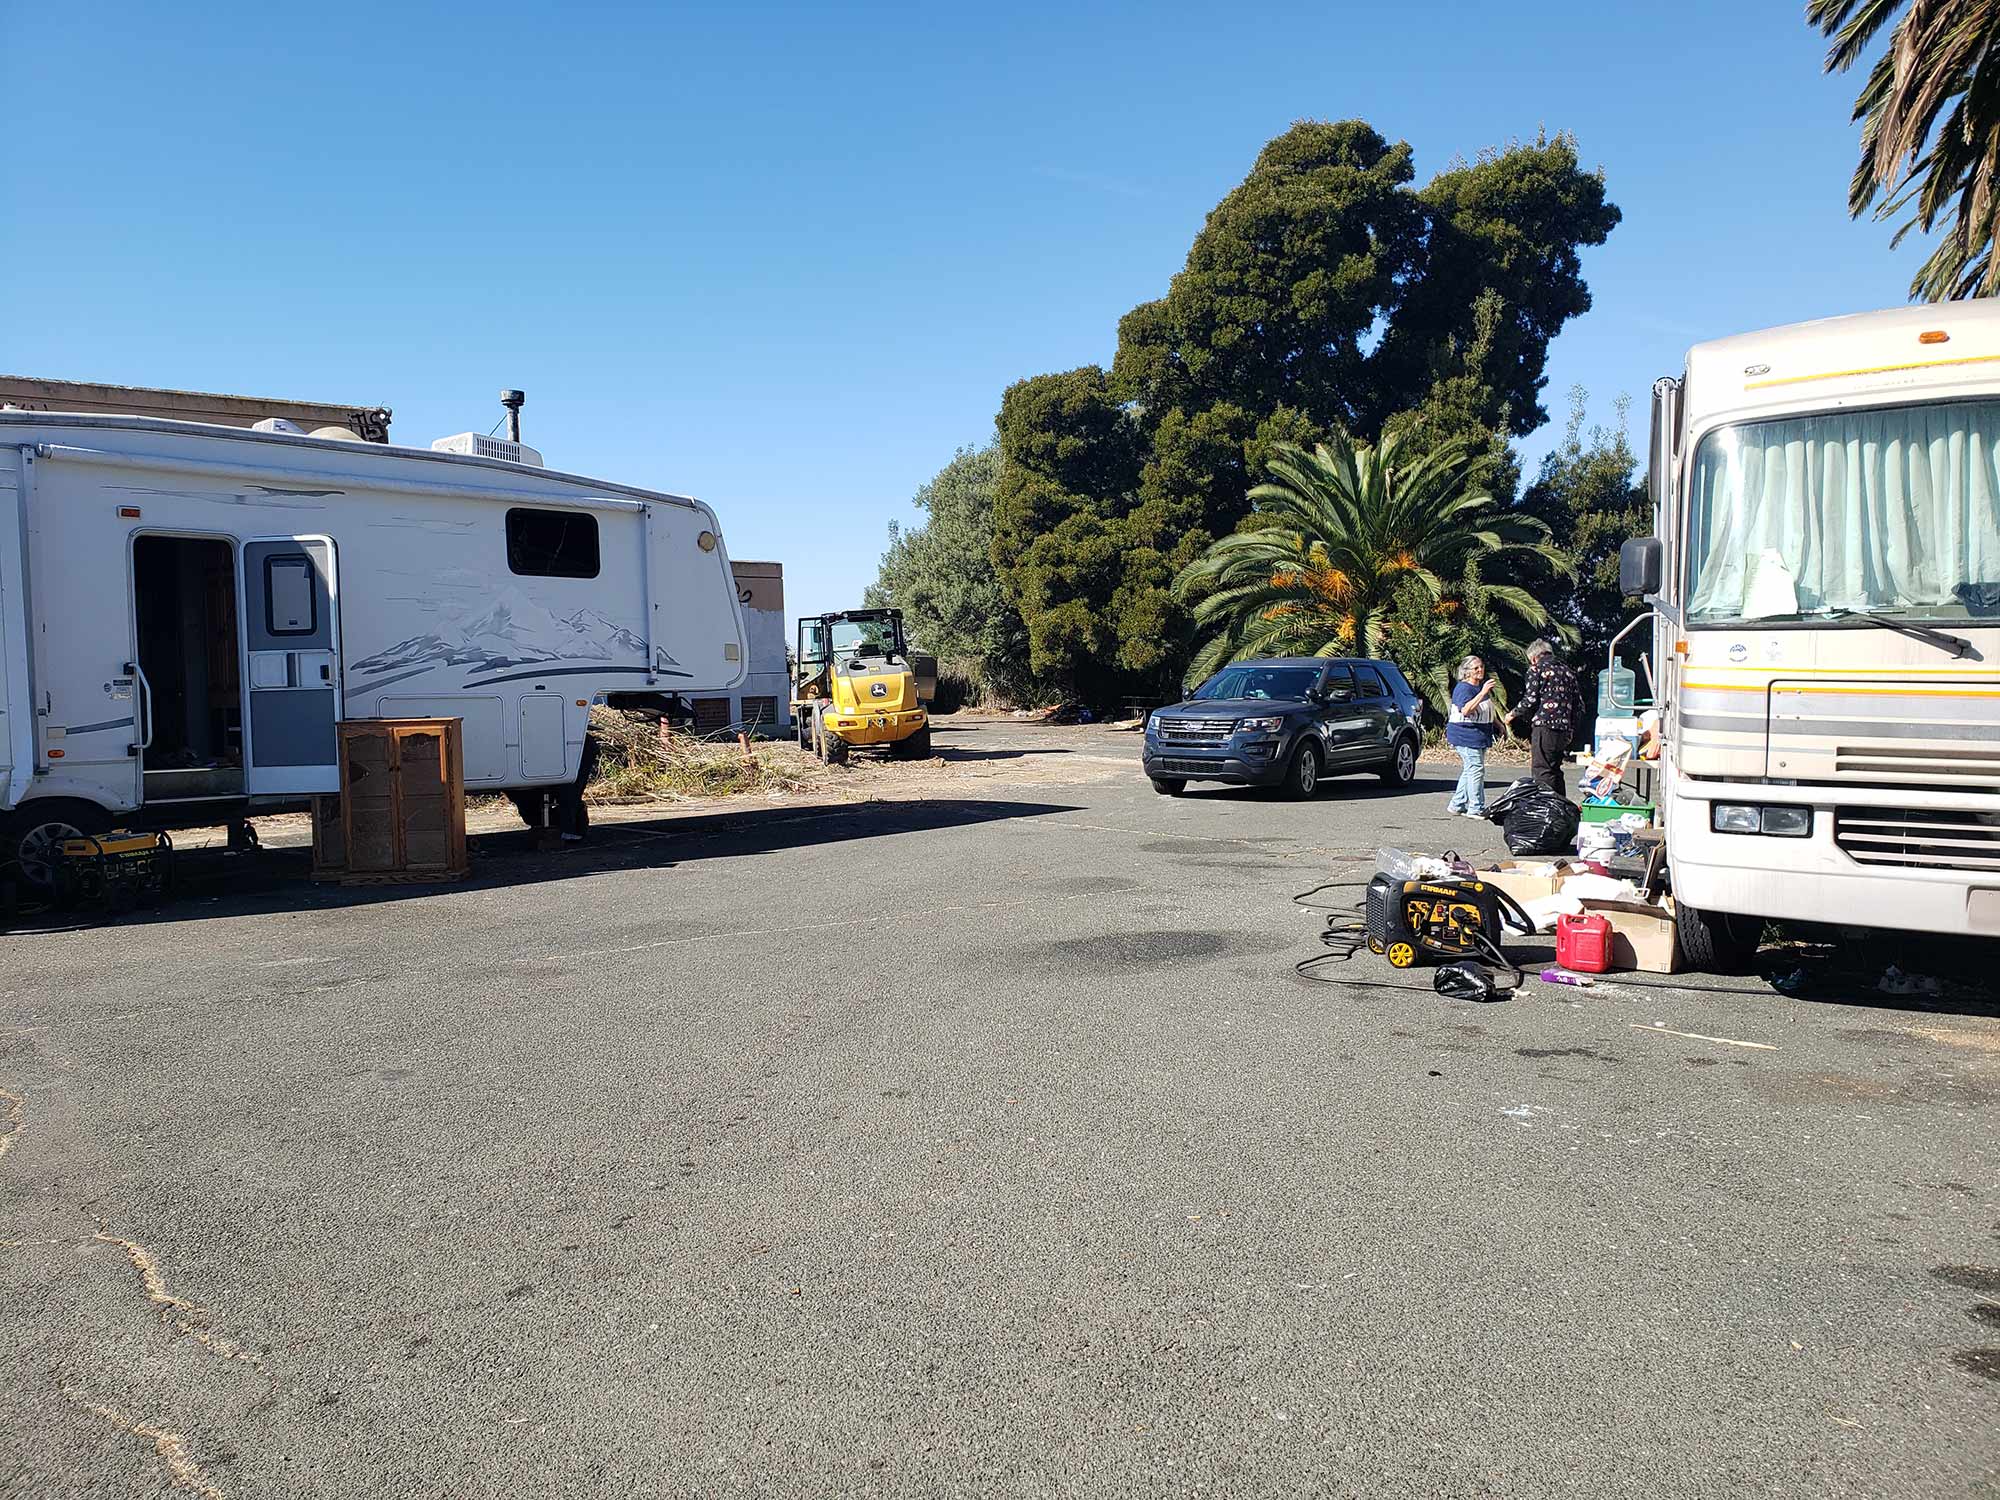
point(1473, 727)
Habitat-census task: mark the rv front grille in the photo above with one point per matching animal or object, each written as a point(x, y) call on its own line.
point(1954, 767)
point(1918, 837)
point(759, 711)
point(710, 714)
point(1195, 731)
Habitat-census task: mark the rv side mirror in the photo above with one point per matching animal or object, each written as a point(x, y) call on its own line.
point(1639, 567)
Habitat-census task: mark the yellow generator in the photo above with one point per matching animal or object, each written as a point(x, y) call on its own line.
point(854, 683)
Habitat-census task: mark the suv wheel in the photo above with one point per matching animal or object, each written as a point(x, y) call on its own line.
point(1401, 768)
point(1301, 772)
point(1169, 786)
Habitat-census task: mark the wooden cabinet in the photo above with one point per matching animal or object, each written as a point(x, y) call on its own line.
point(401, 810)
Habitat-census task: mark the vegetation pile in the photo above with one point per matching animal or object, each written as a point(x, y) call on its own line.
point(638, 762)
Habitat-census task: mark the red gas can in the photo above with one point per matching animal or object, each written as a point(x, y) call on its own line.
point(1583, 944)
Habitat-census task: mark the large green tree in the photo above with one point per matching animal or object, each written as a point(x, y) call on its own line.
point(1930, 128)
point(1590, 494)
point(1324, 294)
point(1348, 538)
point(940, 574)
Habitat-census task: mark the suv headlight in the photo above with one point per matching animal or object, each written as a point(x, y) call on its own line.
point(1259, 726)
point(1152, 723)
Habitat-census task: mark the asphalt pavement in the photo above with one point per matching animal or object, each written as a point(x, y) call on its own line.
point(978, 1141)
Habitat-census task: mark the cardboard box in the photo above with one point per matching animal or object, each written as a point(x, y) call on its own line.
point(1511, 876)
point(1642, 937)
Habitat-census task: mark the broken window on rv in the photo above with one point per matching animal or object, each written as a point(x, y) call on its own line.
point(552, 543)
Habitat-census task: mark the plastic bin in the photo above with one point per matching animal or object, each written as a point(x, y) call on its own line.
point(1610, 812)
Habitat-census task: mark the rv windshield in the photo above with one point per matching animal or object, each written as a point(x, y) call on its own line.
point(1892, 510)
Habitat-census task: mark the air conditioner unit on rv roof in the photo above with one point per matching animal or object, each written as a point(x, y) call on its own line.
point(479, 445)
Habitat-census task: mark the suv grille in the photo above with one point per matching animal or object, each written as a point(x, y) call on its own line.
point(1174, 766)
point(1921, 838)
point(1195, 731)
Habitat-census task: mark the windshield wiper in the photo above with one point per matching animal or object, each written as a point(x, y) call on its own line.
point(1957, 645)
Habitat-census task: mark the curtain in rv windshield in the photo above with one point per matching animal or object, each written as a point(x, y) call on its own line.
point(1893, 508)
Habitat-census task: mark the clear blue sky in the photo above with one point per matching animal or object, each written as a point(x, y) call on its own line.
point(787, 258)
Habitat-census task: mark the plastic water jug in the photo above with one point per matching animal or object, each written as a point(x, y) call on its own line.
point(1583, 944)
point(1617, 692)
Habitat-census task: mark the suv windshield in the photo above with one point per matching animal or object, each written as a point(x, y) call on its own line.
point(1892, 510)
point(1259, 682)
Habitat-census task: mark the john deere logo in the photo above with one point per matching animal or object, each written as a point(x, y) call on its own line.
point(878, 689)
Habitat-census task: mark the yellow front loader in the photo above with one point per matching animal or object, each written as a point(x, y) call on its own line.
point(854, 683)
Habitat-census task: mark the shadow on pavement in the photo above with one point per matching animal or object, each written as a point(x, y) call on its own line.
point(1906, 971)
point(212, 884)
point(1336, 786)
point(952, 756)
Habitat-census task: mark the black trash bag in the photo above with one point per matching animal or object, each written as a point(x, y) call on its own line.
point(1497, 807)
point(1540, 822)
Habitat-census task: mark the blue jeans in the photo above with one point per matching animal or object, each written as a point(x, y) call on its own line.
point(1470, 794)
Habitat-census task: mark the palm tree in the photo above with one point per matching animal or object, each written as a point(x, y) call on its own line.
point(1942, 52)
point(1338, 533)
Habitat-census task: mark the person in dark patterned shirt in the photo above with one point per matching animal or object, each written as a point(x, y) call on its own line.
point(1555, 704)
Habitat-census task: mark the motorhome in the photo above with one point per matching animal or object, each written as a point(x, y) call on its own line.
point(187, 610)
point(1825, 580)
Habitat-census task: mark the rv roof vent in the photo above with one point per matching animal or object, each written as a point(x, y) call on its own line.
point(479, 445)
point(338, 433)
point(278, 424)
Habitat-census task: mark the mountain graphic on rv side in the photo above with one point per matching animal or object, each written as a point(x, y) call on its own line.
point(513, 633)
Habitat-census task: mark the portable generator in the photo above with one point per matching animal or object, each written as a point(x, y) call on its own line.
point(118, 870)
point(1446, 919)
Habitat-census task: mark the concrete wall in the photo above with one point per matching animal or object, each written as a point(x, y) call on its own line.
point(761, 587)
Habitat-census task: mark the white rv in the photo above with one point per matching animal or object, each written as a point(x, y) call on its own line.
point(1826, 585)
point(186, 611)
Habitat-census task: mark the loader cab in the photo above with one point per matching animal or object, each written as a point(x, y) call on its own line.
point(854, 684)
point(844, 644)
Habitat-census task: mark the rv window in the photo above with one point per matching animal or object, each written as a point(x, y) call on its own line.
point(552, 543)
point(290, 600)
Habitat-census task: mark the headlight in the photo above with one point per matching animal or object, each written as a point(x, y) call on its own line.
point(1152, 723)
point(1727, 817)
point(1786, 822)
point(1259, 726)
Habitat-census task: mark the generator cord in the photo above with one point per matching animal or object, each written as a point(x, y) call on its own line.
point(1345, 933)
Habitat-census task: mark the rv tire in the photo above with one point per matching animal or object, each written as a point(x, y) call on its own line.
point(37, 826)
point(1713, 942)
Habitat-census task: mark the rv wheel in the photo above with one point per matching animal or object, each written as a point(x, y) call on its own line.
point(1713, 942)
point(37, 829)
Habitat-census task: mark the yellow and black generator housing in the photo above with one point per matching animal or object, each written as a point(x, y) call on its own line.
point(1410, 920)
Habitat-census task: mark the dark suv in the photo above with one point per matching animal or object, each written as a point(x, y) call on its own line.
point(1286, 722)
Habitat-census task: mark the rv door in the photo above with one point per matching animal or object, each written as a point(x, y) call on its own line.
point(291, 640)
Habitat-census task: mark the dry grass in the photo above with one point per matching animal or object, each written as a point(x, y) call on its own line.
point(638, 764)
